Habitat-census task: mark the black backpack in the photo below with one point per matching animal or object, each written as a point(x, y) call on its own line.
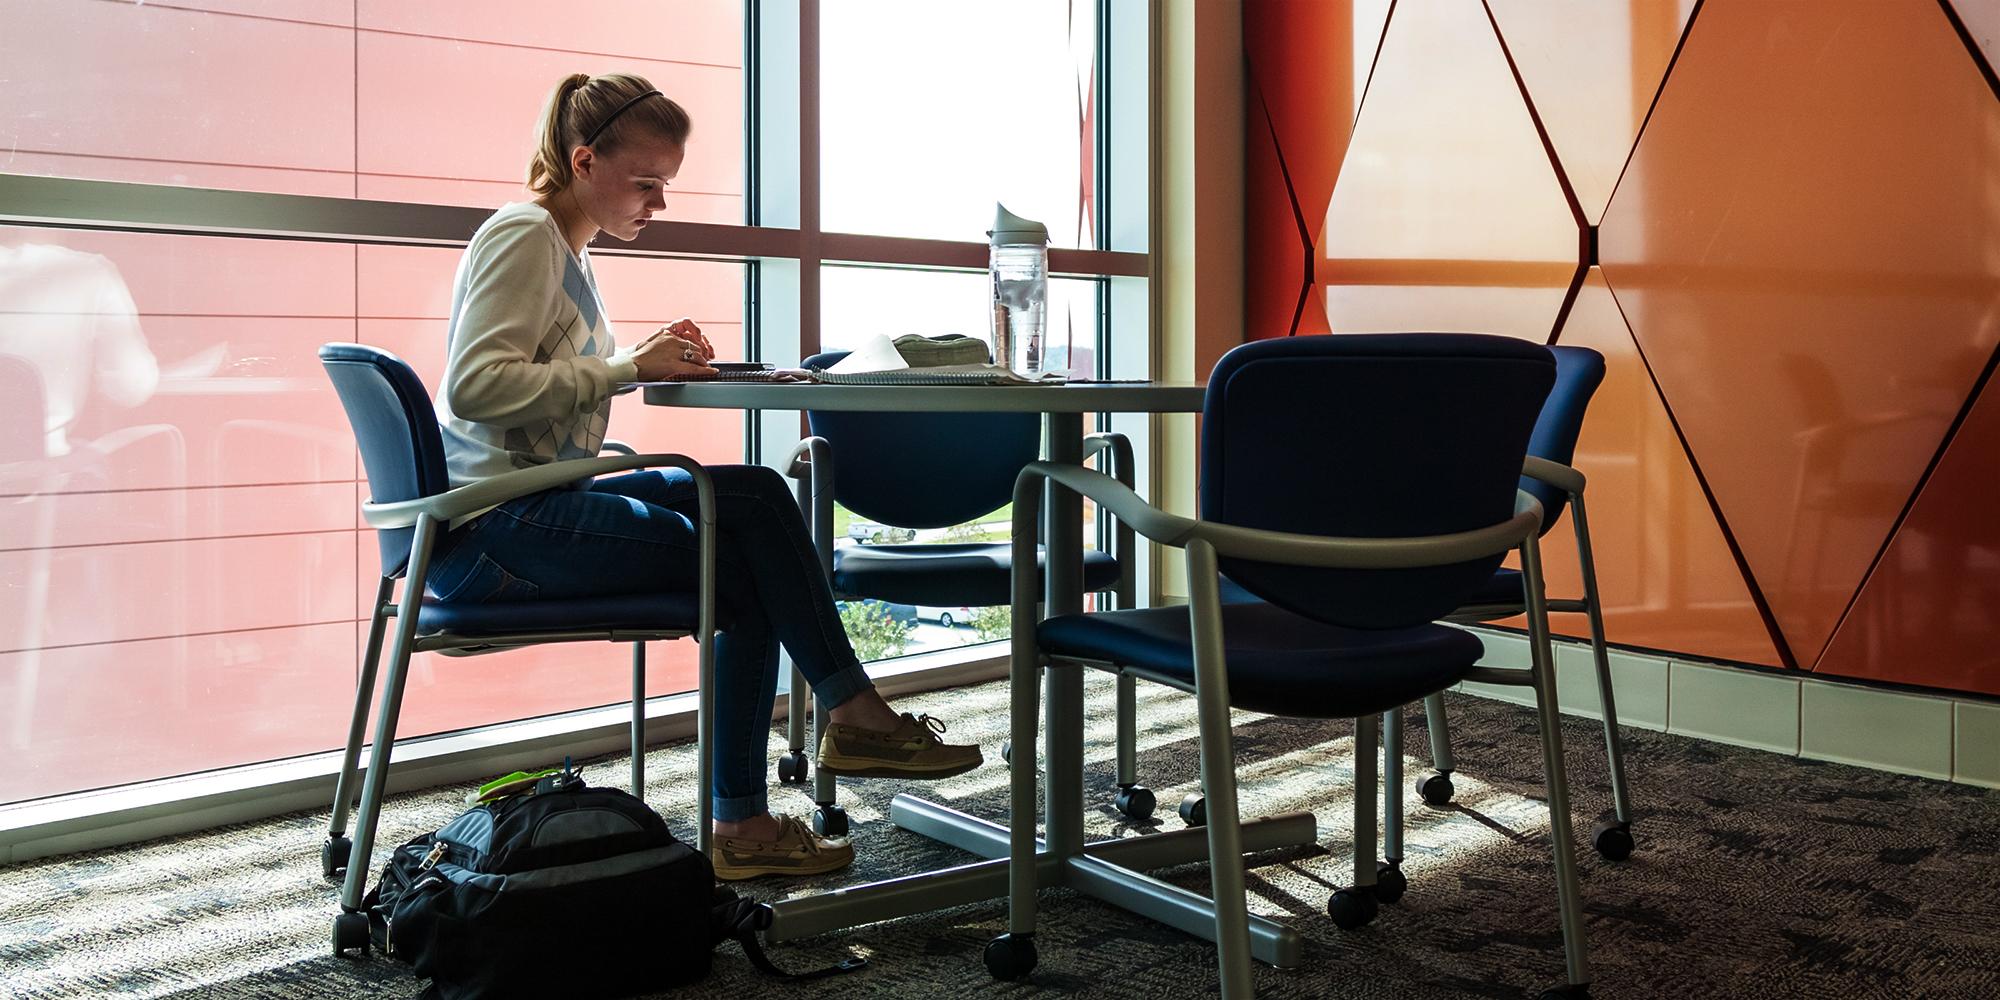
point(498, 902)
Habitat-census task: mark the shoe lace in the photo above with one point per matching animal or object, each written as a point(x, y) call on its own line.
point(934, 724)
point(805, 836)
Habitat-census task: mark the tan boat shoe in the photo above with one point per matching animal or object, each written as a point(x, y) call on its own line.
point(797, 851)
point(911, 750)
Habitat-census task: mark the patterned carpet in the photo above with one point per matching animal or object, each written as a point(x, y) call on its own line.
point(1757, 876)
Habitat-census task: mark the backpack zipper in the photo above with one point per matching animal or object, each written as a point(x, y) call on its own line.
point(436, 855)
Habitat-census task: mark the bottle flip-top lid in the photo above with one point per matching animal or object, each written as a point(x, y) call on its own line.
point(1011, 228)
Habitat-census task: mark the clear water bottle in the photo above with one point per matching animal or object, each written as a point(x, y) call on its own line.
point(1019, 272)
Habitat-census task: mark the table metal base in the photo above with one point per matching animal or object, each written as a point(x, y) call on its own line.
point(1105, 870)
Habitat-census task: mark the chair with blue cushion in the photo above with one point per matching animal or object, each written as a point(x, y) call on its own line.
point(410, 503)
point(1549, 476)
point(1403, 511)
point(929, 470)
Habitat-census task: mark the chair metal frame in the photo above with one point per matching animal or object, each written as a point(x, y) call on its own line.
point(1611, 838)
point(425, 515)
point(1224, 917)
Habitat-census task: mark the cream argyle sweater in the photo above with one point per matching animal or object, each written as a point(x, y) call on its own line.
point(531, 364)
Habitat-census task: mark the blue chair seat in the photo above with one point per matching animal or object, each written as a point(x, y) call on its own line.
point(498, 618)
point(973, 574)
point(1279, 662)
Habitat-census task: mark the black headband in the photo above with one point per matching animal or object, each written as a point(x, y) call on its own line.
point(592, 141)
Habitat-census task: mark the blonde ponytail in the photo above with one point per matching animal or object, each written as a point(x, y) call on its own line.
point(581, 105)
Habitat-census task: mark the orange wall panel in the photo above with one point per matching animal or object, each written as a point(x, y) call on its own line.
point(1447, 214)
point(1931, 611)
point(1665, 573)
point(1804, 246)
point(1592, 69)
point(1803, 237)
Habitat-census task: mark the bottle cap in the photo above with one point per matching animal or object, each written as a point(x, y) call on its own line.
point(1011, 228)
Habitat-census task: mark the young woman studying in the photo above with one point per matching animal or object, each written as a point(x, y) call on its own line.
point(532, 365)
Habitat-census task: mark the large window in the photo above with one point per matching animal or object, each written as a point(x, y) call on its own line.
point(194, 196)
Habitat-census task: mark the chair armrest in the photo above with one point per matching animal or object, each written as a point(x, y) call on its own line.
point(502, 488)
point(1555, 474)
point(1124, 546)
point(811, 463)
point(807, 456)
point(1282, 547)
point(616, 448)
point(1119, 448)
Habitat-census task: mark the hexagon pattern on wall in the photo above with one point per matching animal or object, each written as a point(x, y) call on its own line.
point(1802, 241)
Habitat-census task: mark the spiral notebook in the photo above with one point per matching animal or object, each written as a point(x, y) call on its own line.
point(742, 375)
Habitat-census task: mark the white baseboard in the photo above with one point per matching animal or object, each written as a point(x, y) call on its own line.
point(1933, 735)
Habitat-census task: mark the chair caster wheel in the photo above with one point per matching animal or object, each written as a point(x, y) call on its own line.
point(1351, 908)
point(1194, 809)
point(1577, 991)
point(333, 855)
point(830, 821)
point(1007, 752)
point(1390, 882)
point(793, 768)
point(1436, 789)
point(1011, 956)
point(1135, 801)
point(350, 933)
point(1612, 839)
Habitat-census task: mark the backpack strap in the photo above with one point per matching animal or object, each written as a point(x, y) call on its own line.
point(741, 919)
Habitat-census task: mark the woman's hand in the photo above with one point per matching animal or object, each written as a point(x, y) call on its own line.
point(686, 329)
point(666, 354)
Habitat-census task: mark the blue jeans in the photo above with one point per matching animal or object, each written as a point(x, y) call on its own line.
point(635, 533)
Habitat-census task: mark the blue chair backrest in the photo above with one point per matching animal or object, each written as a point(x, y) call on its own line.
point(396, 430)
point(1369, 436)
point(924, 470)
point(1579, 371)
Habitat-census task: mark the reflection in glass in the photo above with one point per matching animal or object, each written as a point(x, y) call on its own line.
point(181, 560)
